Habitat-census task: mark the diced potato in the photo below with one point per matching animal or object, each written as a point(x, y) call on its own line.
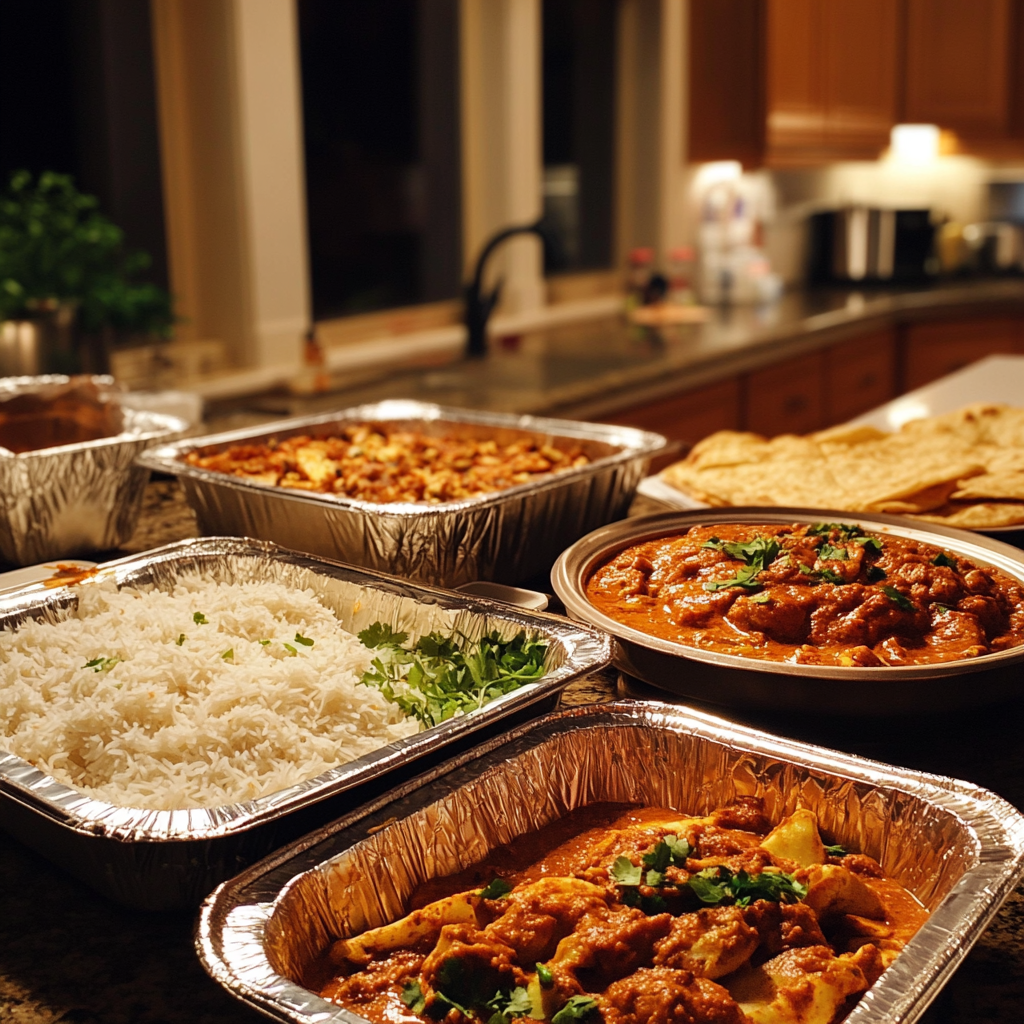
point(796, 838)
point(831, 889)
point(421, 925)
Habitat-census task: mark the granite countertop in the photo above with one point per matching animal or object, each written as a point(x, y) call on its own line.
point(66, 955)
point(591, 369)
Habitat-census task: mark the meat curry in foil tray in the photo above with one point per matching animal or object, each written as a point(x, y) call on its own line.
point(628, 916)
point(384, 463)
point(821, 594)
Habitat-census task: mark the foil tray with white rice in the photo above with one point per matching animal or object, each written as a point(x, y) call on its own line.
point(159, 859)
point(958, 848)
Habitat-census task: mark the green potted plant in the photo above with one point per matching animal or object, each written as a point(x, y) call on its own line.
point(62, 264)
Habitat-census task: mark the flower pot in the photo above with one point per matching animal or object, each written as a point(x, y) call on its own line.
point(40, 342)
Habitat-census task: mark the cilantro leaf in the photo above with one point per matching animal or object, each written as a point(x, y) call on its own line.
point(381, 635)
point(101, 664)
point(576, 1009)
point(229, 654)
point(304, 640)
point(827, 551)
point(942, 609)
point(900, 600)
point(707, 887)
point(824, 575)
point(495, 889)
point(200, 619)
point(625, 872)
point(836, 850)
point(544, 975)
point(291, 650)
point(412, 996)
point(846, 531)
point(264, 643)
point(763, 598)
point(745, 578)
point(180, 640)
point(439, 677)
point(875, 573)
point(869, 542)
point(720, 885)
point(943, 559)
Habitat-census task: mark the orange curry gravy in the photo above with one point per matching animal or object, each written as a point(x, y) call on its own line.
point(826, 594)
point(580, 922)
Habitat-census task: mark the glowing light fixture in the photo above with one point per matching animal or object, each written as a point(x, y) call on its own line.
point(914, 143)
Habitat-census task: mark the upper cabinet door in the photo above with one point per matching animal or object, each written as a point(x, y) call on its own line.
point(795, 77)
point(861, 45)
point(958, 65)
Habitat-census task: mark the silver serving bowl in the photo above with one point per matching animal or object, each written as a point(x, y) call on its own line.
point(733, 680)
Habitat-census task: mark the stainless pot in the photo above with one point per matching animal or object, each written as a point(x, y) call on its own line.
point(42, 342)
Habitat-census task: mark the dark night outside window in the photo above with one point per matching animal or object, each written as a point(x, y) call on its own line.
point(381, 119)
point(579, 133)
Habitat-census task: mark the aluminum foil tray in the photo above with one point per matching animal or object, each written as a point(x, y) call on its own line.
point(164, 859)
point(507, 536)
point(735, 681)
point(958, 848)
point(75, 498)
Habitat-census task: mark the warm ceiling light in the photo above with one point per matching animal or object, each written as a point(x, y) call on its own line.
point(914, 143)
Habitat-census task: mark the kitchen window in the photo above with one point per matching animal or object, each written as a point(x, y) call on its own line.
point(380, 104)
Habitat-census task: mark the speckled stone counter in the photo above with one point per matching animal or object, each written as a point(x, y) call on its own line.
point(66, 955)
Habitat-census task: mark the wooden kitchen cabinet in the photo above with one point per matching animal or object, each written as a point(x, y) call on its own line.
point(931, 350)
point(686, 418)
point(792, 82)
point(785, 398)
point(858, 376)
point(959, 66)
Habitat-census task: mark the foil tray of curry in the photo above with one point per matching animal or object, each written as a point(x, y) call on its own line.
point(683, 868)
point(437, 531)
point(804, 609)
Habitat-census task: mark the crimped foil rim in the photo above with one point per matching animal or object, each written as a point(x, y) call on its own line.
point(634, 443)
point(568, 572)
point(585, 649)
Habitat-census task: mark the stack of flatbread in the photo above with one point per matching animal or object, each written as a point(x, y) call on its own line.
point(964, 468)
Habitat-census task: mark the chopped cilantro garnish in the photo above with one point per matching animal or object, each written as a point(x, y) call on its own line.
point(759, 552)
point(229, 654)
point(442, 676)
point(101, 664)
point(943, 559)
point(304, 640)
point(412, 996)
point(900, 600)
point(875, 573)
point(827, 551)
point(625, 872)
point(942, 609)
point(544, 975)
point(846, 531)
point(291, 650)
point(763, 598)
point(180, 640)
point(264, 643)
point(199, 619)
point(836, 850)
point(746, 578)
point(720, 885)
point(576, 1009)
point(507, 1005)
point(381, 635)
point(495, 889)
point(869, 542)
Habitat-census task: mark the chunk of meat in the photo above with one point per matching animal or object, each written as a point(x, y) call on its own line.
point(468, 967)
point(607, 946)
point(785, 616)
point(782, 926)
point(710, 943)
point(660, 995)
point(800, 986)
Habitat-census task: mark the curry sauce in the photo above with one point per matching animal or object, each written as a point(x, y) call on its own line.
point(630, 915)
point(822, 594)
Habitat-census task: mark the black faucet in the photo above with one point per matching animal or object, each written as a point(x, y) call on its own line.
point(480, 306)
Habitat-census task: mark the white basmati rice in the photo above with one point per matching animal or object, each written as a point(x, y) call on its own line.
point(191, 714)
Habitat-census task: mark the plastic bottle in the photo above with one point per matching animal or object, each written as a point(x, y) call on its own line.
point(680, 275)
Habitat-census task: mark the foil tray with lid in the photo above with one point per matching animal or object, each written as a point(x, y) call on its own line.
point(736, 681)
point(508, 536)
point(958, 848)
point(71, 499)
point(158, 860)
